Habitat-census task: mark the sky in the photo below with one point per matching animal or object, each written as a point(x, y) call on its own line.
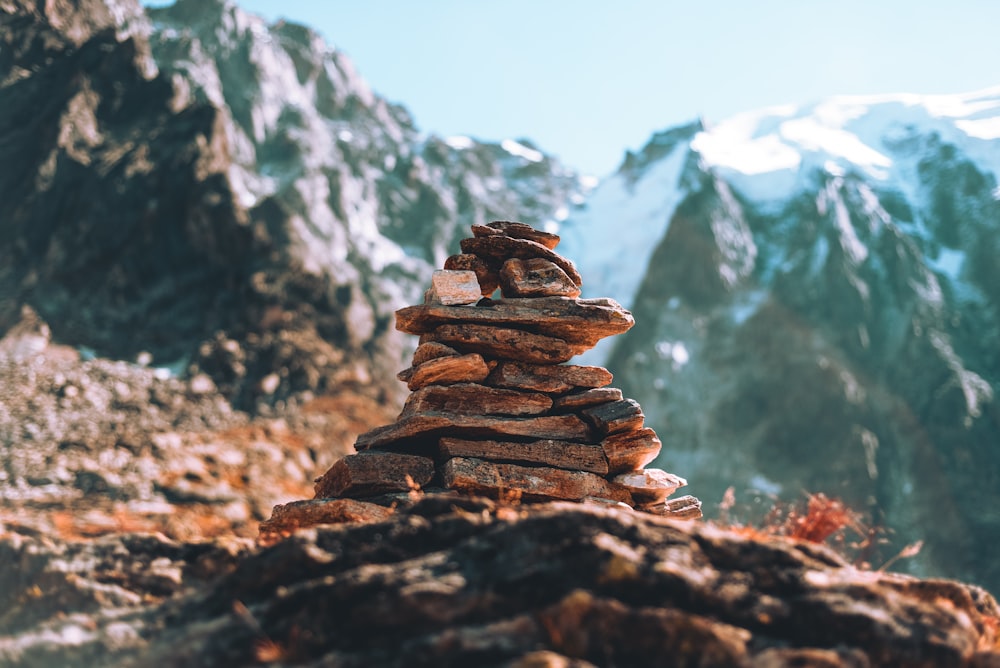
point(586, 80)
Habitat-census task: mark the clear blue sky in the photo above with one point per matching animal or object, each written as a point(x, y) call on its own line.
point(587, 79)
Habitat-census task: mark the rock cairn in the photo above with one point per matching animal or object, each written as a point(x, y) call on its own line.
point(494, 409)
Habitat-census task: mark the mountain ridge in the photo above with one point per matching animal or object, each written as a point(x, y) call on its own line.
point(799, 288)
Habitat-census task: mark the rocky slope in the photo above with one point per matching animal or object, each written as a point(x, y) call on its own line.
point(458, 583)
point(818, 308)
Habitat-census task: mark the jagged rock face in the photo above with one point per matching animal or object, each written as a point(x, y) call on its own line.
point(819, 315)
point(229, 196)
point(468, 582)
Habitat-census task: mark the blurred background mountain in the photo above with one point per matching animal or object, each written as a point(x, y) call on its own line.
point(207, 221)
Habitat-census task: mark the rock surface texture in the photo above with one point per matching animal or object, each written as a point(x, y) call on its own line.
point(472, 426)
point(472, 582)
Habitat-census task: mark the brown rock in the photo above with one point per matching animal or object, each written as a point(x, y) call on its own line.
point(681, 508)
point(502, 342)
point(592, 397)
point(554, 379)
point(477, 476)
point(455, 287)
point(430, 351)
point(470, 398)
point(560, 454)
point(649, 485)
point(616, 416)
point(518, 231)
point(376, 472)
point(581, 322)
point(535, 277)
point(489, 279)
point(498, 249)
point(446, 370)
point(288, 517)
point(631, 450)
point(417, 428)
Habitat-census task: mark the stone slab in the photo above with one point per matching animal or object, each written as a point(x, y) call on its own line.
point(631, 450)
point(416, 428)
point(430, 351)
point(649, 485)
point(497, 249)
point(375, 472)
point(478, 476)
point(475, 399)
point(455, 287)
point(502, 343)
point(616, 416)
point(581, 322)
point(535, 277)
point(470, 368)
point(517, 230)
point(554, 379)
point(586, 398)
point(559, 454)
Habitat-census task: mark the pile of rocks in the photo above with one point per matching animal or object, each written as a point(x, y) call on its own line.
point(494, 410)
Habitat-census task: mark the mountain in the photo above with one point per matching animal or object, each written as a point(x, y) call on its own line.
point(229, 197)
point(817, 301)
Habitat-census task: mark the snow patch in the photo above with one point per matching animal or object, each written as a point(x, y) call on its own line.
point(981, 128)
point(460, 142)
point(613, 238)
point(812, 135)
point(521, 151)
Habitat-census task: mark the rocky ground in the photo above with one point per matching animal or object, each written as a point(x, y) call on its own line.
point(452, 582)
point(90, 447)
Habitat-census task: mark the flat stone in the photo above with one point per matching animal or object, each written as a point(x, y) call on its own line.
point(375, 472)
point(430, 351)
point(473, 399)
point(591, 397)
point(488, 277)
point(286, 518)
point(477, 476)
point(631, 450)
point(616, 416)
point(446, 370)
point(580, 322)
point(416, 428)
point(503, 342)
point(498, 249)
point(535, 277)
point(649, 485)
point(455, 287)
point(518, 231)
point(554, 379)
point(560, 454)
point(681, 508)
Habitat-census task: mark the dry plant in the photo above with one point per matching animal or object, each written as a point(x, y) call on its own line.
point(823, 520)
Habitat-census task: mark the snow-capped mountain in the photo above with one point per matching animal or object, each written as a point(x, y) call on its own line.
point(817, 300)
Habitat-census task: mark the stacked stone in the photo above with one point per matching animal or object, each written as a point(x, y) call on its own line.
point(494, 409)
